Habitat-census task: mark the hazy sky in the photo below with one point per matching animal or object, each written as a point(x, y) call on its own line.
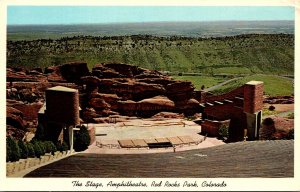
point(106, 14)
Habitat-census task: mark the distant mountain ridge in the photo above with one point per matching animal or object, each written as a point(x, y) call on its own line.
point(187, 29)
point(240, 54)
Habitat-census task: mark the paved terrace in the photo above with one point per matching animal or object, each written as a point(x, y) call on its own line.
point(112, 138)
point(242, 159)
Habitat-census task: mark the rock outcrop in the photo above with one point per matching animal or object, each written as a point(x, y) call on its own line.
point(14, 117)
point(109, 89)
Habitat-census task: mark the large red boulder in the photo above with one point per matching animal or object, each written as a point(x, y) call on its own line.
point(12, 75)
point(30, 110)
point(125, 69)
point(99, 104)
point(70, 72)
point(169, 115)
point(180, 90)
point(111, 99)
point(54, 74)
point(188, 107)
point(14, 118)
point(127, 107)
point(146, 107)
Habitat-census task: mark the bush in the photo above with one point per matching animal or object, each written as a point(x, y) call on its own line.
point(50, 147)
point(268, 121)
point(290, 134)
point(64, 146)
point(290, 116)
point(58, 146)
point(37, 149)
point(81, 139)
point(271, 108)
point(42, 146)
point(30, 148)
point(23, 149)
point(14, 150)
point(8, 151)
point(224, 131)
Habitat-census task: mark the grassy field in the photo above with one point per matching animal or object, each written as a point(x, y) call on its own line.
point(273, 85)
point(198, 81)
point(243, 54)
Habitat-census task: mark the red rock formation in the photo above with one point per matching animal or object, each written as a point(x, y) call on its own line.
point(70, 72)
point(111, 99)
point(14, 118)
point(110, 89)
point(147, 107)
point(128, 71)
point(30, 110)
point(180, 90)
point(12, 75)
point(99, 104)
point(54, 74)
point(168, 115)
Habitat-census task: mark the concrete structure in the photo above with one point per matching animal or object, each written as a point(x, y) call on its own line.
point(60, 114)
point(242, 106)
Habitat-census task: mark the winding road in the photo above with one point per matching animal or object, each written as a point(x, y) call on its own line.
point(221, 84)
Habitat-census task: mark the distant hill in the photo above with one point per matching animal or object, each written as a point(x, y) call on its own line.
point(241, 54)
point(187, 29)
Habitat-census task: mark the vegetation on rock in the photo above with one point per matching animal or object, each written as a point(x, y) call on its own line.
point(241, 54)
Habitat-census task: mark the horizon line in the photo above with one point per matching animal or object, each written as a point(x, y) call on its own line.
point(145, 22)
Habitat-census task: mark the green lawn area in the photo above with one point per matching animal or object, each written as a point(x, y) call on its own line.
point(198, 81)
point(273, 85)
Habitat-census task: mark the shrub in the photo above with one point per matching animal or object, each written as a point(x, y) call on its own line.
point(37, 149)
point(290, 134)
point(42, 146)
point(268, 121)
point(81, 139)
point(290, 116)
point(223, 131)
point(202, 87)
point(50, 147)
point(23, 149)
point(59, 146)
point(271, 108)
point(14, 150)
point(30, 148)
point(64, 146)
point(8, 151)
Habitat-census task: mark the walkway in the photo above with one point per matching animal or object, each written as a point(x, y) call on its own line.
point(242, 159)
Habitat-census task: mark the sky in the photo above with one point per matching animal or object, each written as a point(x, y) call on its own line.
point(118, 14)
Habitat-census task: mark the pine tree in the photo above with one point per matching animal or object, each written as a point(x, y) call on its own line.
point(23, 149)
point(30, 148)
point(14, 154)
